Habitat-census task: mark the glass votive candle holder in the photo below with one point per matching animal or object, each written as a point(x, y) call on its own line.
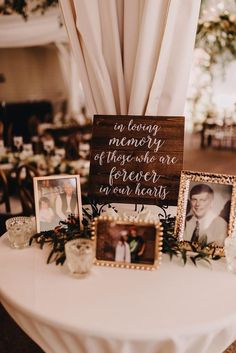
point(19, 231)
point(230, 253)
point(79, 256)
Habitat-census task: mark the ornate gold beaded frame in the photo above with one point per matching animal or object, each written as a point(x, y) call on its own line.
point(203, 178)
point(107, 230)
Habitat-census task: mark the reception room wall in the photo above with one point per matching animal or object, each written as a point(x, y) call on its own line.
point(31, 73)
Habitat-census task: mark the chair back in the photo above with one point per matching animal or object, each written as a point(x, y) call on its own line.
point(4, 191)
point(4, 217)
point(1, 130)
point(72, 147)
point(24, 179)
point(5, 199)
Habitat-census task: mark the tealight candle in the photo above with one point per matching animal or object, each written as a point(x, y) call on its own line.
point(79, 256)
point(19, 231)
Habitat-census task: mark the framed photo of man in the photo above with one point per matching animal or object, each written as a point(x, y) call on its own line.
point(56, 197)
point(121, 243)
point(206, 209)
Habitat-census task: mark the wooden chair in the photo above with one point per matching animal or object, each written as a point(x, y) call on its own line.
point(4, 191)
point(72, 147)
point(9, 135)
point(5, 199)
point(1, 130)
point(3, 218)
point(24, 179)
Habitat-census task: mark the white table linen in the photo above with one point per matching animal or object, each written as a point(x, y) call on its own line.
point(175, 309)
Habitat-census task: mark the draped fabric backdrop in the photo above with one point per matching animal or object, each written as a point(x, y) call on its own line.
point(133, 57)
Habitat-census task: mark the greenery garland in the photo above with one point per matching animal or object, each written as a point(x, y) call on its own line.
point(68, 230)
point(59, 236)
point(72, 229)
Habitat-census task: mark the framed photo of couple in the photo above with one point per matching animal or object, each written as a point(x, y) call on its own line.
point(206, 209)
point(126, 244)
point(56, 197)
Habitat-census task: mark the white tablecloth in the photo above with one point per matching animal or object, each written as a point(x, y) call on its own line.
point(175, 309)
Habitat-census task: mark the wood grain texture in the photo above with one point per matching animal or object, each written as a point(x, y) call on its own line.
point(136, 159)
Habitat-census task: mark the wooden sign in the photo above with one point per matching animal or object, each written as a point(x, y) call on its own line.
point(136, 159)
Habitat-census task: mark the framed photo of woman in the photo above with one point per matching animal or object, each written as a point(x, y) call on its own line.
point(56, 197)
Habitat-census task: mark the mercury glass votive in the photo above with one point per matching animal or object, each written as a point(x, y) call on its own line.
point(230, 253)
point(79, 256)
point(19, 231)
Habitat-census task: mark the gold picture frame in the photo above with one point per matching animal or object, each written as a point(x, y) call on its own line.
point(127, 244)
point(201, 196)
point(56, 196)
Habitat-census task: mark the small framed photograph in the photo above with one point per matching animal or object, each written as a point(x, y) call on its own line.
point(122, 243)
point(206, 210)
point(56, 197)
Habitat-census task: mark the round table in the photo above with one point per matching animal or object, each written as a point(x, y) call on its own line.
point(175, 309)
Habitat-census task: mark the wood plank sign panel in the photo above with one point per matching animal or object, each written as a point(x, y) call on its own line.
point(136, 159)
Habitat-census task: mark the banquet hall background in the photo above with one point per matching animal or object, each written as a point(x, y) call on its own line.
point(46, 114)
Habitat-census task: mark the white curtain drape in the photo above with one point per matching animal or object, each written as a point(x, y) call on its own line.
point(133, 57)
point(65, 62)
point(71, 78)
